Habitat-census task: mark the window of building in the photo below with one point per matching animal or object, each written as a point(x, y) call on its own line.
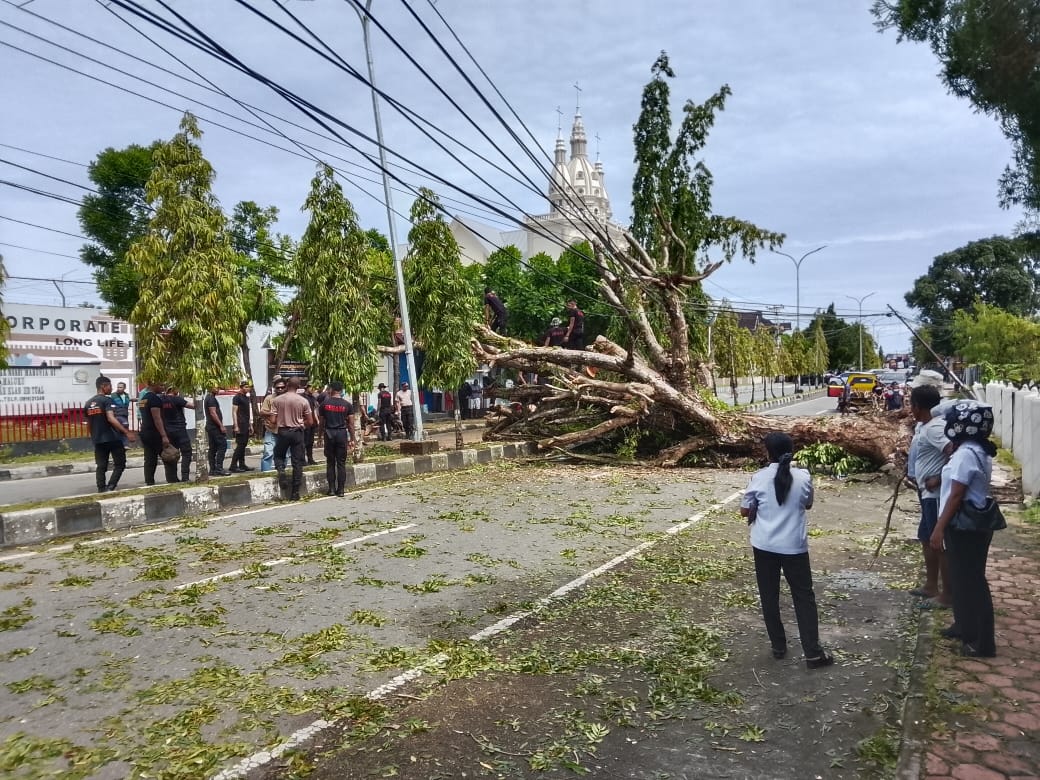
point(581, 175)
point(581, 190)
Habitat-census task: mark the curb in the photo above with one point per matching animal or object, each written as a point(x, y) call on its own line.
point(87, 466)
point(785, 401)
point(43, 524)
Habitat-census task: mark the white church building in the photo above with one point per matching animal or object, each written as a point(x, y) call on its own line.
point(577, 195)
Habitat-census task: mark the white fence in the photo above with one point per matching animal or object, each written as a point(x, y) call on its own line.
point(1017, 425)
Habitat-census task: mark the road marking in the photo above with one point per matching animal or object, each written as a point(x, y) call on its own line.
point(280, 561)
point(297, 738)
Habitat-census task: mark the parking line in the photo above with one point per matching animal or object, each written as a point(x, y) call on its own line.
point(299, 737)
point(228, 575)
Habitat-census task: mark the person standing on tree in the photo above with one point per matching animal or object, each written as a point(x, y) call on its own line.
point(107, 434)
point(385, 411)
point(121, 407)
point(153, 430)
point(336, 417)
point(556, 336)
point(774, 504)
point(216, 432)
point(495, 314)
point(575, 326)
point(242, 422)
point(293, 414)
point(406, 408)
point(173, 406)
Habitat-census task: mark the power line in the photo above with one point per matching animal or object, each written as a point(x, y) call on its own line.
point(43, 227)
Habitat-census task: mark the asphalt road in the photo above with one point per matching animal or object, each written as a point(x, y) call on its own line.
point(119, 650)
point(810, 408)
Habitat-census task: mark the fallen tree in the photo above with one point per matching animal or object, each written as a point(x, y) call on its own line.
point(645, 389)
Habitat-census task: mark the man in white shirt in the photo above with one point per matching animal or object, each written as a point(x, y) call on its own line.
point(405, 408)
point(925, 468)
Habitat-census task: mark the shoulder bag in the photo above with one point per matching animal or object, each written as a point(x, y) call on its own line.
point(970, 518)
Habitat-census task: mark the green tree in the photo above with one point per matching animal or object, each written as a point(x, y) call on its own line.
point(335, 318)
point(990, 54)
point(842, 338)
point(442, 308)
point(819, 353)
point(188, 315)
point(1007, 345)
point(1002, 272)
point(265, 262)
point(113, 219)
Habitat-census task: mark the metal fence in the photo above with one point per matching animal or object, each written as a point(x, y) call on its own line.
point(41, 422)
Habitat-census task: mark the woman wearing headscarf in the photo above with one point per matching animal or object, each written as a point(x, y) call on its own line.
point(774, 504)
point(966, 477)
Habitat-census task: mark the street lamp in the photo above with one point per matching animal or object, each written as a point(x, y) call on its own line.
point(798, 282)
point(409, 353)
point(860, 302)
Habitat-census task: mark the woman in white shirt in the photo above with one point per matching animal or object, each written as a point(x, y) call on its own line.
point(774, 505)
point(966, 477)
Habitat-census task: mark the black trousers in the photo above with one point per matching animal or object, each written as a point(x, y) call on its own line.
point(151, 443)
point(336, 459)
point(576, 341)
point(308, 445)
point(179, 438)
point(798, 572)
point(289, 440)
point(386, 426)
point(102, 452)
point(217, 448)
point(238, 457)
point(408, 420)
point(966, 554)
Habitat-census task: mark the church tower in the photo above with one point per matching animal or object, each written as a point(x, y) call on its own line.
point(576, 183)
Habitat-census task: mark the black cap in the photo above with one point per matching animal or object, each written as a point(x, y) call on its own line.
point(381, 386)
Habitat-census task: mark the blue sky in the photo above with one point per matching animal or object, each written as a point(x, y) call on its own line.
point(835, 134)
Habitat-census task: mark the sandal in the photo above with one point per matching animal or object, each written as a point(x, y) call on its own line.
point(932, 604)
point(820, 661)
point(921, 593)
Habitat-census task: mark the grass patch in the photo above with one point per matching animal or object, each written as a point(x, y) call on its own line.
point(16, 616)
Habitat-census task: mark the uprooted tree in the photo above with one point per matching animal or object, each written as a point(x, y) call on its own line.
point(647, 391)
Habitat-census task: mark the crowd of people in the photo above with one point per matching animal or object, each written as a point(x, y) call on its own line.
point(950, 463)
point(294, 416)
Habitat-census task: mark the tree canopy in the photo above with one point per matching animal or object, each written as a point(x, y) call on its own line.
point(1007, 346)
point(114, 218)
point(999, 271)
point(842, 341)
point(990, 54)
point(188, 314)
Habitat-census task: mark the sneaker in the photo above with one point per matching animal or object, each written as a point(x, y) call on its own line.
point(339, 493)
point(952, 632)
point(234, 469)
point(294, 497)
point(779, 653)
point(246, 468)
point(820, 661)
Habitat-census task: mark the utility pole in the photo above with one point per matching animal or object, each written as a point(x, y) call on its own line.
point(860, 302)
point(409, 350)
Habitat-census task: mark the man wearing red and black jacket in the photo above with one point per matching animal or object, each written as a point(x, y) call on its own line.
point(336, 417)
point(153, 430)
point(575, 326)
point(106, 432)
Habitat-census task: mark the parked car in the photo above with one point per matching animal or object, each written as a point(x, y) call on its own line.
point(835, 387)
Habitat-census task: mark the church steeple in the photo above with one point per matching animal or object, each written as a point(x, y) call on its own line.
point(579, 143)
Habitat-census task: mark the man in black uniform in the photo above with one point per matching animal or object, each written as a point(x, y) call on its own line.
point(336, 417)
point(242, 409)
point(173, 406)
point(575, 326)
point(310, 394)
point(495, 313)
point(215, 432)
point(385, 411)
point(106, 432)
point(556, 336)
point(153, 430)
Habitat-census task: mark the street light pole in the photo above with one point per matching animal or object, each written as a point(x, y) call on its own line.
point(860, 302)
point(798, 282)
point(409, 352)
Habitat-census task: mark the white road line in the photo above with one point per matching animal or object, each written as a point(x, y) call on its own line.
point(297, 738)
point(280, 561)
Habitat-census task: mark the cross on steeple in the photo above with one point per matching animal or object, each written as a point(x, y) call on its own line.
point(597, 147)
point(577, 98)
point(559, 122)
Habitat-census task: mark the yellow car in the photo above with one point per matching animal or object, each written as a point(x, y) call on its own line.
point(861, 385)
